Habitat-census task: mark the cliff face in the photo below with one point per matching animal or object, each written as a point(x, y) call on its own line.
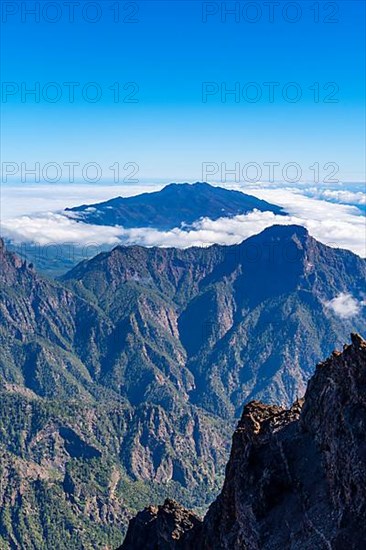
point(295, 479)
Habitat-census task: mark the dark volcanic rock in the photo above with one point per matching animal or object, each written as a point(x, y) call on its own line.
point(296, 478)
point(162, 527)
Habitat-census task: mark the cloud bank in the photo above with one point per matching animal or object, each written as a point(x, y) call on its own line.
point(336, 225)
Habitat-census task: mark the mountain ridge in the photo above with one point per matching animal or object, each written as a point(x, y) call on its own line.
point(211, 289)
point(129, 373)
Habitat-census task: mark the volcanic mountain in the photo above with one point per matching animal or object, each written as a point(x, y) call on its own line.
point(175, 205)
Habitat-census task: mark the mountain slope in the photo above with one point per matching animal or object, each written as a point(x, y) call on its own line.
point(295, 479)
point(245, 321)
point(171, 207)
point(73, 450)
point(120, 383)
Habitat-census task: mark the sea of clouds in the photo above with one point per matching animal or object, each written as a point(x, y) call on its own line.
point(35, 213)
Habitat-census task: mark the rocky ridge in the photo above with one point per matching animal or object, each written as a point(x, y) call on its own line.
point(296, 478)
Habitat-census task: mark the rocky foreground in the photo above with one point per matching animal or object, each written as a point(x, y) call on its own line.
point(295, 479)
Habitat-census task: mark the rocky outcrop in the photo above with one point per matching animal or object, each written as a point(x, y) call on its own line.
point(166, 526)
point(296, 478)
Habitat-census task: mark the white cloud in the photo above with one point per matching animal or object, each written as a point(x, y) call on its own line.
point(344, 305)
point(336, 225)
point(343, 197)
point(51, 227)
point(28, 199)
point(352, 194)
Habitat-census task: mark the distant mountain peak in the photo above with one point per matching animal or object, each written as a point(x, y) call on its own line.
point(198, 185)
point(280, 236)
point(176, 205)
point(286, 230)
point(186, 185)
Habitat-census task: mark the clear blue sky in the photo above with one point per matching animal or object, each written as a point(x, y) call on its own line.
point(169, 53)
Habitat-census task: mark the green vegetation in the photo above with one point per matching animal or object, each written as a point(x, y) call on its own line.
point(120, 385)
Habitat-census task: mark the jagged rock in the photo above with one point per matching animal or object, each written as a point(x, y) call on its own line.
point(296, 478)
point(162, 527)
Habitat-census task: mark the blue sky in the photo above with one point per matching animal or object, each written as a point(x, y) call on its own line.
point(169, 53)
